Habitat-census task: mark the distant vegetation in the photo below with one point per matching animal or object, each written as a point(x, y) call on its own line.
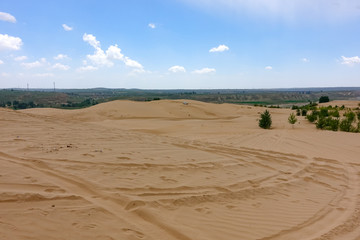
point(79, 98)
point(324, 99)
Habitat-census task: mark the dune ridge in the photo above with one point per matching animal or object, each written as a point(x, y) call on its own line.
point(169, 170)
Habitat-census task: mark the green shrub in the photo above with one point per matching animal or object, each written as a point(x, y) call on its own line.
point(303, 112)
point(346, 125)
point(324, 112)
point(334, 113)
point(350, 115)
point(292, 119)
point(313, 116)
point(265, 120)
point(328, 123)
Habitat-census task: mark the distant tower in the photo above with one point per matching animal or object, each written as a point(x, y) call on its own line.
point(54, 86)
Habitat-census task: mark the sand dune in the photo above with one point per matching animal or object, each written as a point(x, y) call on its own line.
point(166, 170)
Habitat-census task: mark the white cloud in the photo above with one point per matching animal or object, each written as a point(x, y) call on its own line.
point(101, 58)
point(35, 64)
point(350, 61)
point(9, 43)
point(152, 25)
point(91, 39)
point(7, 17)
point(176, 69)
point(220, 48)
point(132, 63)
point(268, 68)
point(205, 71)
point(60, 66)
point(20, 58)
point(87, 68)
point(114, 52)
point(1, 62)
point(61, 56)
point(305, 60)
point(42, 75)
point(67, 28)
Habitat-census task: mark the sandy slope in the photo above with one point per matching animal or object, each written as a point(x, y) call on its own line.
point(165, 170)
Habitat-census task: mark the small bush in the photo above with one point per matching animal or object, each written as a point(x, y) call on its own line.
point(324, 112)
point(328, 123)
point(303, 112)
point(292, 119)
point(265, 120)
point(334, 113)
point(350, 115)
point(313, 116)
point(346, 125)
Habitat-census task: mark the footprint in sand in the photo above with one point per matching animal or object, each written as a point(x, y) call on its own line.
point(135, 233)
point(169, 180)
point(204, 210)
point(134, 205)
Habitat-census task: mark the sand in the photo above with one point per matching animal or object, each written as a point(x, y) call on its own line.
point(166, 170)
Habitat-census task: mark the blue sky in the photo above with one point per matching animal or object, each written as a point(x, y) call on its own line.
point(159, 44)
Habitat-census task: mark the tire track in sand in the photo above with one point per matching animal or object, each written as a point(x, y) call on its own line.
point(119, 207)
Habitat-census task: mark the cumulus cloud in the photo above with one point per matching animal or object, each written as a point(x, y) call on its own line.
point(9, 43)
point(40, 63)
point(1, 62)
point(176, 69)
point(268, 68)
point(220, 48)
point(205, 71)
point(91, 39)
point(61, 56)
point(101, 58)
point(60, 66)
point(152, 25)
point(7, 17)
point(114, 52)
point(20, 58)
point(67, 28)
point(350, 61)
point(87, 68)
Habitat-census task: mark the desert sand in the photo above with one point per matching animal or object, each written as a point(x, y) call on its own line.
point(165, 170)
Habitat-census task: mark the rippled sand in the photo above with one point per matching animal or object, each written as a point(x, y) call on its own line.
point(166, 170)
